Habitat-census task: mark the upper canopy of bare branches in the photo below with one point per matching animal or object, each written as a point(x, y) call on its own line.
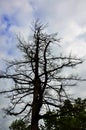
point(37, 76)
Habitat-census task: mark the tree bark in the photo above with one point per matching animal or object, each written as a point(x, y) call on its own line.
point(34, 124)
point(35, 114)
point(37, 103)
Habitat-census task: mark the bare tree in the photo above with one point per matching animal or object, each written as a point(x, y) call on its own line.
point(38, 82)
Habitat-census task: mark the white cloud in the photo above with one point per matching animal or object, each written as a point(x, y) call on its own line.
point(17, 7)
point(77, 48)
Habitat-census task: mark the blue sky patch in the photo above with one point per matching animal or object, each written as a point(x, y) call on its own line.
point(7, 21)
point(10, 52)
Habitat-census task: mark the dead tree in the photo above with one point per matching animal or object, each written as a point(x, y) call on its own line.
point(37, 80)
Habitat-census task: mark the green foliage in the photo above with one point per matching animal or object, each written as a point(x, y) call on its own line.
point(72, 116)
point(18, 125)
point(51, 123)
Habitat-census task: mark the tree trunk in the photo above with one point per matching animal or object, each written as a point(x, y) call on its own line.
point(35, 116)
point(34, 125)
point(35, 111)
point(37, 103)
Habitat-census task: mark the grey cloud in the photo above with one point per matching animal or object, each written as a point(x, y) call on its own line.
point(82, 36)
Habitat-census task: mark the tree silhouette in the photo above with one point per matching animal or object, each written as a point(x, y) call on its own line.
point(38, 82)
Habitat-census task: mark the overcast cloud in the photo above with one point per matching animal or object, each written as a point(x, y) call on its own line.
point(67, 17)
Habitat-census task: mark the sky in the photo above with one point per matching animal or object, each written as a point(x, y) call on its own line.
point(67, 17)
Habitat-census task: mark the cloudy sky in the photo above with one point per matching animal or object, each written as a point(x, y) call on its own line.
point(67, 17)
